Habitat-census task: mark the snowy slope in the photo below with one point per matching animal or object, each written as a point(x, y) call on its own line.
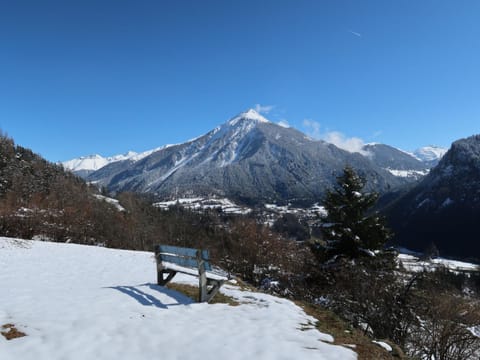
point(414, 263)
point(95, 162)
point(430, 153)
point(79, 302)
point(90, 162)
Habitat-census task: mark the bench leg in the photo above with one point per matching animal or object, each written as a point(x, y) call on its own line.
point(207, 294)
point(202, 287)
point(161, 280)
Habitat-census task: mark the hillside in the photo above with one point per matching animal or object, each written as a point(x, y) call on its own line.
point(398, 163)
point(444, 207)
point(41, 199)
point(80, 302)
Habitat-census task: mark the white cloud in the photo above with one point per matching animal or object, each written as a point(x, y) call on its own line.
point(312, 128)
point(264, 109)
point(284, 123)
point(351, 144)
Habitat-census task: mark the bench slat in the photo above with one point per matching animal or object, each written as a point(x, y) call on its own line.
point(186, 252)
point(182, 261)
point(177, 250)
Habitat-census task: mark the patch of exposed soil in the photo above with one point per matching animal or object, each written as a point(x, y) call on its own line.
point(10, 332)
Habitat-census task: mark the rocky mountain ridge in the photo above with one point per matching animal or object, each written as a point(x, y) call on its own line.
point(251, 159)
point(428, 156)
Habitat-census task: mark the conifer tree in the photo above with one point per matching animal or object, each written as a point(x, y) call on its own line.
point(348, 230)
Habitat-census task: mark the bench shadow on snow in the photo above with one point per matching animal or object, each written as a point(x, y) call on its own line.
point(147, 299)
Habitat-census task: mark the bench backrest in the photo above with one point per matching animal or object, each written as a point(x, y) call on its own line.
point(186, 257)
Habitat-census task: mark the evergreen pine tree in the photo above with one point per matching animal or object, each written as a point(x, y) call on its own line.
point(348, 230)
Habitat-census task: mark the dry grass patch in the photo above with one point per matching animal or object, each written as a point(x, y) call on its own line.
point(192, 292)
point(10, 332)
point(345, 335)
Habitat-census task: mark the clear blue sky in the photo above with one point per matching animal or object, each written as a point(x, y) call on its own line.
point(108, 76)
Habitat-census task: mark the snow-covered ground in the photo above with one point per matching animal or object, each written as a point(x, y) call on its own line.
point(272, 211)
point(111, 201)
point(81, 302)
point(414, 263)
point(200, 203)
point(408, 173)
point(312, 211)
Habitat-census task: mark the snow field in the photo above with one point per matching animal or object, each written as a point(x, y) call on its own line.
point(81, 302)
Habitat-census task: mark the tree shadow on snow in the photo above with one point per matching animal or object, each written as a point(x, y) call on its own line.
point(149, 300)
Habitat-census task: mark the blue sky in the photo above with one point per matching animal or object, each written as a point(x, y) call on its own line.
point(83, 77)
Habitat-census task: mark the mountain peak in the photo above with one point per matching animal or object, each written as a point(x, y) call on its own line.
point(430, 153)
point(249, 114)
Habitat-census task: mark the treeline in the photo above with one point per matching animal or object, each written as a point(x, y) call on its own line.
point(41, 199)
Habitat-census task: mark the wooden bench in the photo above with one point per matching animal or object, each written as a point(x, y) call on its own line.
point(174, 259)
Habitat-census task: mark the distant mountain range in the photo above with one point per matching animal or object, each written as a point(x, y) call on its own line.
point(251, 159)
point(85, 165)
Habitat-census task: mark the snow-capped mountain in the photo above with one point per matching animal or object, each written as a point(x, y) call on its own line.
point(398, 162)
point(247, 158)
point(445, 206)
point(430, 154)
point(85, 165)
point(92, 162)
